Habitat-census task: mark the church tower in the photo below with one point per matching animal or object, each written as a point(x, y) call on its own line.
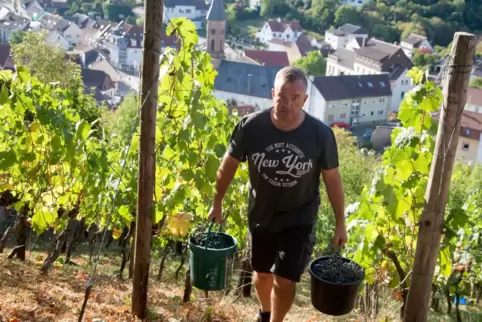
point(216, 29)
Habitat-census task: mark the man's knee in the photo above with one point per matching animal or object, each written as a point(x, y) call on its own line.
point(283, 283)
point(263, 276)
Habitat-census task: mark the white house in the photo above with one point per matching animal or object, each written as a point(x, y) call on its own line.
point(194, 10)
point(376, 57)
point(413, 42)
point(124, 43)
point(56, 39)
point(68, 29)
point(356, 3)
point(10, 22)
point(247, 84)
point(353, 100)
point(287, 31)
point(340, 37)
point(474, 100)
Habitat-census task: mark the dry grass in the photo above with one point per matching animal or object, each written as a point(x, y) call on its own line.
point(27, 295)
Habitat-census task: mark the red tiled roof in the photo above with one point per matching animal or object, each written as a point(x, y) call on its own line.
point(277, 26)
point(474, 96)
point(470, 124)
point(242, 109)
point(268, 58)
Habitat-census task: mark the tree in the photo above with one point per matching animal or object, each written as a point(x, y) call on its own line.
point(45, 62)
point(314, 63)
point(270, 7)
point(119, 122)
point(476, 83)
point(50, 65)
point(346, 14)
point(17, 37)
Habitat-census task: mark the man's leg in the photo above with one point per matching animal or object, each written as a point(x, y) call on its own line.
point(263, 283)
point(295, 246)
point(282, 298)
point(263, 254)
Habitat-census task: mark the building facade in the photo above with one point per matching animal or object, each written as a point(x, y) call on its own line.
point(375, 57)
point(354, 100)
point(413, 42)
point(194, 10)
point(286, 31)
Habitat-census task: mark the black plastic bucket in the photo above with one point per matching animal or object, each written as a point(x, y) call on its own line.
point(333, 298)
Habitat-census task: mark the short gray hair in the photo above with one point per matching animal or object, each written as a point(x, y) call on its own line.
point(291, 74)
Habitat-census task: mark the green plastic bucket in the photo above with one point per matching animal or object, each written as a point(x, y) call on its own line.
point(211, 269)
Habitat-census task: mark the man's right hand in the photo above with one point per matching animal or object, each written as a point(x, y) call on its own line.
point(216, 213)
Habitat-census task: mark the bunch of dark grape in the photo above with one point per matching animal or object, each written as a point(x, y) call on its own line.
point(336, 270)
point(216, 241)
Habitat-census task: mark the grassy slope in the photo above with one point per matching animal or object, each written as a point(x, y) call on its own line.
point(25, 295)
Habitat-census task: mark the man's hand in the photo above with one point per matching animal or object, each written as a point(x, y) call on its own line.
point(341, 237)
point(216, 213)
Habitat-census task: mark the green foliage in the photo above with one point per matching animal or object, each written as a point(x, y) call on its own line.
point(119, 122)
point(424, 60)
point(383, 222)
point(346, 14)
point(49, 65)
point(45, 62)
point(117, 12)
point(354, 178)
point(476, 83)
point(391, 20)
point(52, 156)
point(17, 37)
point(314, 63)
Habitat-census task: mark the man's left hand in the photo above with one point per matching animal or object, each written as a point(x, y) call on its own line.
point(341, 237)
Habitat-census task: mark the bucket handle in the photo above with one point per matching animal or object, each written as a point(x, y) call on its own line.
point(209, 232)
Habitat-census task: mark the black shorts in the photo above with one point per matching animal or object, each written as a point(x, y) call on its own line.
point(286, 253)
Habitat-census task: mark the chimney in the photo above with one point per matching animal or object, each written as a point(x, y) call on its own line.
point(364, 41)
point(249, 83)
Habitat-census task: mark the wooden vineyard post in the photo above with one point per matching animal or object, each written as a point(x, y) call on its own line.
point(149, 87)
point(431, 223)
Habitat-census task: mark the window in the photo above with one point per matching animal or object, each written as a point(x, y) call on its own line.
point(382, 100)
point(380, 112)
point(371, 113)
point(465, 146)
point(370, 84)
point(343, 116)
point(331, 117)
point(213, 31)
point(212, 45)
point(403, 94)
point(467, 132)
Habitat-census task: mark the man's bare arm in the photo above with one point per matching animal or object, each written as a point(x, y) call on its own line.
point(225, 175)
point(334, 189)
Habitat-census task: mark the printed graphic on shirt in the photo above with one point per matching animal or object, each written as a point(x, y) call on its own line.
point(282, 164)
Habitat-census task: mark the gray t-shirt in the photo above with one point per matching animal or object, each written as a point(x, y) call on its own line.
point(284, 168)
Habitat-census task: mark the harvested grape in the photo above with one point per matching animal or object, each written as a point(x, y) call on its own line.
point(335, 269)
point(216, 240)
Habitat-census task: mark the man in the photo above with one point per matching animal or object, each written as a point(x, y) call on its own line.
point(286, 150)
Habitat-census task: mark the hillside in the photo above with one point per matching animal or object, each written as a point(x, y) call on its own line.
point(390, 20)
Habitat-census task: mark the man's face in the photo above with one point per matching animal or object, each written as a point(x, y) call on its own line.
point(288, 99)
